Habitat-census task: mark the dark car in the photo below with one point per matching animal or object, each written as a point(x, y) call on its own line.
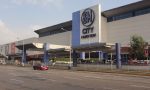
point(40, 67)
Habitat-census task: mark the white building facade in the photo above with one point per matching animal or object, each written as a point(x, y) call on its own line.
point(107, 27)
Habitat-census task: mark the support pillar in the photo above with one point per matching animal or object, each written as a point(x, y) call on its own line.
point(105, 56)
point(74, 58)
point(46, 55)
point(118, 55)
point(100, 55)
point(24, 55)
point(82, 55)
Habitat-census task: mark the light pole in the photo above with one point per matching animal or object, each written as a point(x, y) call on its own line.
point(70, 48)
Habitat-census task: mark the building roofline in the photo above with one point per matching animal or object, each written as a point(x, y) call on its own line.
point(107, 13)
point(127, 8)
point(55, 27)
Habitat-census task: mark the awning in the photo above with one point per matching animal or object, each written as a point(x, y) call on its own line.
point(39, 46)
point(107, 47)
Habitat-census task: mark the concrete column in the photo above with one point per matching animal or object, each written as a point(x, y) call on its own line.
point(100, 55)
point(46, 55)
point(74, 58)
point(24, 55)
point(118, 55)
point(82, 55)
point(105, 56)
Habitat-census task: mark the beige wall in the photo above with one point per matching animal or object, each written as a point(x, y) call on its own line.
point(121, 30)
point(58, 39)
point(104, 29)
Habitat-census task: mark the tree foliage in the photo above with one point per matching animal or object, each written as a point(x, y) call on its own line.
point(137, 47)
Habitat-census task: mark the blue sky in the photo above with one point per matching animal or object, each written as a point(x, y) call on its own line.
point(19, 18)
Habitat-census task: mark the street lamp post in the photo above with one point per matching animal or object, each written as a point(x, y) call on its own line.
point(70, 48)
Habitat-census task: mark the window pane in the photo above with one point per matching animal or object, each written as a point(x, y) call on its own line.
point(123, 16)
point(143, 11)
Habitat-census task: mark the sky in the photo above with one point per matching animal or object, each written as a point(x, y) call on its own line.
point(20, 18)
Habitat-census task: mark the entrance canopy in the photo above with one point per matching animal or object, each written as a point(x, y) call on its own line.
point(31, 46)
point(40, 46)
point(107, 47)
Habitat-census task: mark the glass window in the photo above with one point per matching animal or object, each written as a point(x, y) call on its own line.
point(143, 11)
point(123, 16)
point(128, 14)
point(109, 19)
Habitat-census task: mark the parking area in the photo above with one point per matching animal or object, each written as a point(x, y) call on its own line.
point(25, 78)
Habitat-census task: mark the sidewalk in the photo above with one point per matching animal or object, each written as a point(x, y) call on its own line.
point(115, 71)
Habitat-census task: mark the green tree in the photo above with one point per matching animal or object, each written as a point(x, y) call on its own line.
point(137, 47)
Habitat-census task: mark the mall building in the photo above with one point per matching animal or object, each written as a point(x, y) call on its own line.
point(90, 31)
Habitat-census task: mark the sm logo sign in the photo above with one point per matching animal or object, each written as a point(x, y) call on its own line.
point(88, 17)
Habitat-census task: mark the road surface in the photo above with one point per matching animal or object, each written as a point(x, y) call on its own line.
point(25, 78)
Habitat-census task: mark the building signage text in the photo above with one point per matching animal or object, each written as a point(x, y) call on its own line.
point(87, 19)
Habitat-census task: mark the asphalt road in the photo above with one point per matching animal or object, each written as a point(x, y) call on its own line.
point(18, 78)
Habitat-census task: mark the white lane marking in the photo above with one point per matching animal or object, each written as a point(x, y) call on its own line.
point(17, 81)
point(139, 86)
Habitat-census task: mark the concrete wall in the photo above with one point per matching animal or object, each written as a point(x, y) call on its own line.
point(104, 29)
point(27, 41)
point(58, 39)
point(121, 30)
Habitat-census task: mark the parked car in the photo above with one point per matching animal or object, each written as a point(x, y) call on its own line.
point(40, 67)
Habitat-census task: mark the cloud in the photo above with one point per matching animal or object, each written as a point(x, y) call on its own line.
point(27, 32)
point(57, 3)
point(19, 2)
point(6, 35)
